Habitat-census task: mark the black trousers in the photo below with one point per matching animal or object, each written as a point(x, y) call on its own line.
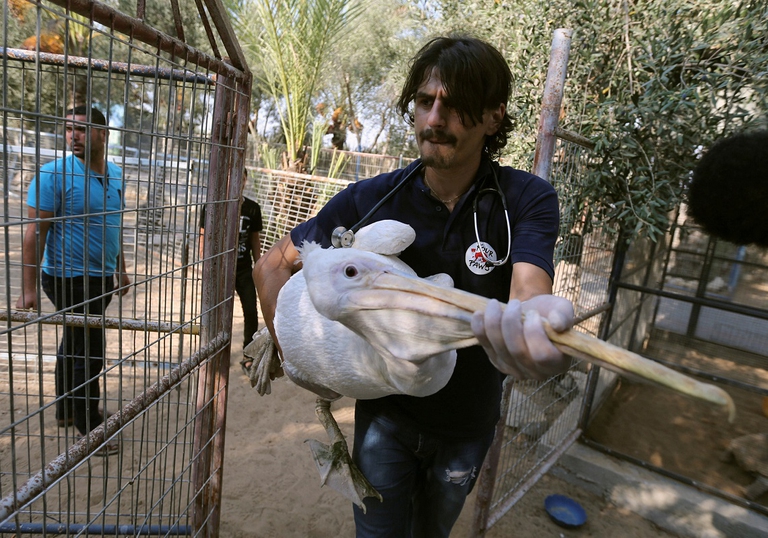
point(80, 358)
point(247, 292)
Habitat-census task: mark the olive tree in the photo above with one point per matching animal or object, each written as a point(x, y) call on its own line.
point(650, 81)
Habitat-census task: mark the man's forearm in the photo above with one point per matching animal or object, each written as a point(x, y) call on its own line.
point(29, 277)
point(272, 271)
point(32, 252)
point(123, 280)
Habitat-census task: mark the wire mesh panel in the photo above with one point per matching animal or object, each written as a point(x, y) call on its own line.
point(169, 142)
point(349, 165)
point(356, 165)
point(540, 419)
point(585, 246)
point(287, 199)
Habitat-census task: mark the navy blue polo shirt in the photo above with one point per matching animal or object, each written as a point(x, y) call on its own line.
point(446, 243)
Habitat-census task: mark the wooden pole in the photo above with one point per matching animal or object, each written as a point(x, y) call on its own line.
point(552, 102)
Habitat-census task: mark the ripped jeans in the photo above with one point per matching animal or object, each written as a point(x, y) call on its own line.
point(424, 480)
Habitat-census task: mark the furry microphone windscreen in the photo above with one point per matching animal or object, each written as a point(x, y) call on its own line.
point(728, 194)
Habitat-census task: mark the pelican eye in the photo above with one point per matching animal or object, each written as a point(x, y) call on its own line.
point(350, 271)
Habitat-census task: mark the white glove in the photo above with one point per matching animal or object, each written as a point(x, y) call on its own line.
point(520, 347)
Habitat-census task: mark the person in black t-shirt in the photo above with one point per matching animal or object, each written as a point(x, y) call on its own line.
point(248, 252)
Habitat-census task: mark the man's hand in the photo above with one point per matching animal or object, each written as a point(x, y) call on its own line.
point(26, 301)
point(514, 337)
point(124, 284)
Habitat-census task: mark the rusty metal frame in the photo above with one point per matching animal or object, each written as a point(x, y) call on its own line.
point(138, 29)
point(95, 64)
point(98, 322)
point(225, 184)
point(227, 164)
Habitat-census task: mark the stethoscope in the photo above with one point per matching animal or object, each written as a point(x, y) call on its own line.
point(343, 238)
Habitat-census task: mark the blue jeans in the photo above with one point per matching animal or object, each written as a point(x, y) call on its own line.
point(424, 479)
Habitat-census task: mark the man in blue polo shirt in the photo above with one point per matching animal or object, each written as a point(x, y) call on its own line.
point(423, 454)
point(75, 204)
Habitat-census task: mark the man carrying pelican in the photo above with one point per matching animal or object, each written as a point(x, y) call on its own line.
point(493, 230)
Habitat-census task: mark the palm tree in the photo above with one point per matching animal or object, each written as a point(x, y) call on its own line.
point(288, 43)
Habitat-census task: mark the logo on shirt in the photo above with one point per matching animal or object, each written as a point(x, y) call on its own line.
point(476, 257)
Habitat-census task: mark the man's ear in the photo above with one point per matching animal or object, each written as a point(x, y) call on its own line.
point(497, 115)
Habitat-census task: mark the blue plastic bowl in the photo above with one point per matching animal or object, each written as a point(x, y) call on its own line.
point(565, 511)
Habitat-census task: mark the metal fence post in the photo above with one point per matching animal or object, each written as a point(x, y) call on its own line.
point(215, 313)
point(240, 104)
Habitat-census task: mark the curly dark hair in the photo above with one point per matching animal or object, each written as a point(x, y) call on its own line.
point(476, 78)
point(728, 194)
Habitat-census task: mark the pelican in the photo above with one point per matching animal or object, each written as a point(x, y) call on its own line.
point(327, 358)
point(358, 322)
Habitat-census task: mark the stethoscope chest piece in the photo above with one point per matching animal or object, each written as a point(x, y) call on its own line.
point(342, 238)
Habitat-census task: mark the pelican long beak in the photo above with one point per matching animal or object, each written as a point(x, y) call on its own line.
point(399, 305)
point(403, 319)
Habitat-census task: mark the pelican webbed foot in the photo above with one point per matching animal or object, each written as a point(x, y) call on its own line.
point(264, 362)
point(334, 462)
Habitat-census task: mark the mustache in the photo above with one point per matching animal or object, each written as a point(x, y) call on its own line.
point(438, 137)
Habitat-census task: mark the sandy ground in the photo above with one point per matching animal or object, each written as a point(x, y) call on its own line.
point(271, 487)
point(679, 434)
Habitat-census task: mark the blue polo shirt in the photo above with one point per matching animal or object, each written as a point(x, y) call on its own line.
point(93, 205)
point(446, 243)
